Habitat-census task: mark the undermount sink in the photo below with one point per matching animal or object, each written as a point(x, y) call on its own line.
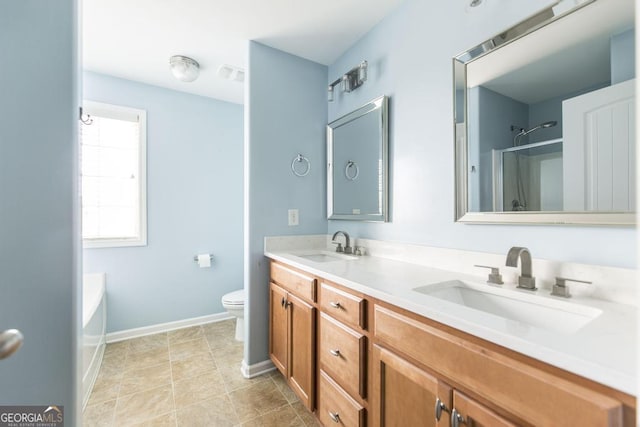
point(545, 313)
point(326, 256)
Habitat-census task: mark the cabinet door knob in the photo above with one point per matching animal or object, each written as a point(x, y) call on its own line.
point(334, 416)
point(335, 304)
point(335, 352)
point(456, 418)
point(283, 302)
point(440, 406)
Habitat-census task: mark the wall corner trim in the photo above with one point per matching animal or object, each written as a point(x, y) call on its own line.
point(251, 371)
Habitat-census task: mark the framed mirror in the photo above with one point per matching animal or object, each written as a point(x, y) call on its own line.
point(545, 119)
point(357, 164)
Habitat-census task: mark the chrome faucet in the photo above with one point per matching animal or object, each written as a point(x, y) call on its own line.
point(347, 248)
point(525, 280)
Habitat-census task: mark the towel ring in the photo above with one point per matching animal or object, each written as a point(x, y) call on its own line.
point(351, 164)
point(299, 159)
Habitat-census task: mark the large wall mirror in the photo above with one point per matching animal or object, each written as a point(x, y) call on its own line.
point(545, 119)
point(357, 163)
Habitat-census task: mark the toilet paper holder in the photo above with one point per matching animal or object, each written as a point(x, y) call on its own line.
point(195, 258)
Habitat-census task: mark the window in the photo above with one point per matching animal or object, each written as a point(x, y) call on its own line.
point(113, 168)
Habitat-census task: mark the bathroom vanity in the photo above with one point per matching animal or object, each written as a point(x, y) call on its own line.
point(370, 341)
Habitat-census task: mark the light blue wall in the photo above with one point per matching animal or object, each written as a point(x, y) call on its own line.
point(623, 57)
point(194, 205)
point(286, 114)
point(409, 54)
point(39, 241)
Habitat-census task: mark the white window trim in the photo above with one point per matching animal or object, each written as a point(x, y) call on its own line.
point(110, 109)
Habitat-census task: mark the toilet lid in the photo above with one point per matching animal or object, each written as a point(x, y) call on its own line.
point(234, 298)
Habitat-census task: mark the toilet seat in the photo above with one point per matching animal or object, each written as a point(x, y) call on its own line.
point(234, 298)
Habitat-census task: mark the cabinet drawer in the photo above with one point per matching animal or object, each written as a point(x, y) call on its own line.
point(343, 306)
point(335, 406)
point(343, 355)
point(301, 284)
point(531, 394)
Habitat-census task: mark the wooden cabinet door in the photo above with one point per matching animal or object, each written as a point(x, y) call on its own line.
point(468, 412)
point(302, 349)
point(278, 328)
point(404, 394)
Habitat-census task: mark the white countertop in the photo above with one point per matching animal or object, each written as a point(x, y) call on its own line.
point(604, 350)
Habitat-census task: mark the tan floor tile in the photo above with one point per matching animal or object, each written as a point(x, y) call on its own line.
point(116, 349)
point(219, 339)
point(99, 415)
point(200, 364)
point(226, 327)
point(228, 356)
point(256, 400)
point(144, 406)
point(282, 417)
point(216, 412)
point(141, 379)
point(307, 417)
point(106, 388)
point(112, 366)
point(165, 420)
point(146, 358)
point(186, 349)
point(233, 378)
point(186, 334)
point(284, 388)
point(192, 390)
point(150, 342)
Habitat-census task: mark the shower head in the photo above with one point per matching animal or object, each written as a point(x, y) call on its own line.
point(524, 132)
point(544, 125)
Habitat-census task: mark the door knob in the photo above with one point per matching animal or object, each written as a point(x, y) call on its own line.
point(10, 341)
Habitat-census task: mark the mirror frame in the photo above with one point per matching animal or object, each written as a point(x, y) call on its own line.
point(381, 106)
point(461, 211)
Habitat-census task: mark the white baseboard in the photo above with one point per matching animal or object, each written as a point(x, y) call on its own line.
point(250, 371)
point(166, 327)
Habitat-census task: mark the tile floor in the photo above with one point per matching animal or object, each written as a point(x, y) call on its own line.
point(189, 377)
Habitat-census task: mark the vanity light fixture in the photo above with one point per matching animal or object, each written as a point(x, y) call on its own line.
point(184, 68)
point(352, 79)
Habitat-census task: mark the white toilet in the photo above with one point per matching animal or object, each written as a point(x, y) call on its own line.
point(233, 302)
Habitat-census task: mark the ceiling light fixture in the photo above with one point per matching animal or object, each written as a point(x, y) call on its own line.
point(184, 68)
point(352, 79)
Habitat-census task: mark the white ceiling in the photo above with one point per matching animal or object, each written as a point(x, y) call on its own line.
point(134, 39)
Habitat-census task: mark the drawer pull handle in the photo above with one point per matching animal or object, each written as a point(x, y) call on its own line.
point(456, 418)
point(335, 304)
point(334, 416)
point(440, 406)
point(335, 352)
